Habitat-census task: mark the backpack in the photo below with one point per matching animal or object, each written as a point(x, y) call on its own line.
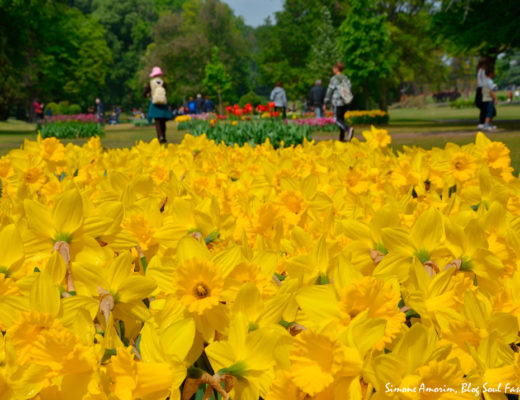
point(158, 92)
point(344, 91)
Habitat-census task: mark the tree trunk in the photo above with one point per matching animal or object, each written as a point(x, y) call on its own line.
point(220, 111)
point(383, 101)
point(367, 95)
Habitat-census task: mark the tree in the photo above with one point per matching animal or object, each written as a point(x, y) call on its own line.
point(508, 69)
point(485, 27)
point(216, 80)
point(363, 44)
point(182, 46)
point(324, 51)
point(164, 6)
point(128, 25)
point(48, 51)
point(284, 47)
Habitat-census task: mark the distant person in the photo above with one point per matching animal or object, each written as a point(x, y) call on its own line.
point(509, 96)
point(38, 109)
point(118, 111)
point(158, 109)
point(199, 104)
point(489, 98)
point(339, 94)
point(481, 80)
point(209, 106)
point(316, 96)
point(279, 98)
point(100, 112)
point(517, 95)
point(192, 108)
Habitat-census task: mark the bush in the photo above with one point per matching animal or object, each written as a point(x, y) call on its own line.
point(74, 109)
point(71, 129)
point(250, 98)
point(55, 109)
point(63, 107)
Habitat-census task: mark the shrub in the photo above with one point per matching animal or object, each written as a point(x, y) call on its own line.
point(63, 107)
point(71, 129)
point(55, 109)
point(250, 98)
point(74, 109)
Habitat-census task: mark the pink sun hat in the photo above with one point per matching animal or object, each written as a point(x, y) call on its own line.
point(156, 71)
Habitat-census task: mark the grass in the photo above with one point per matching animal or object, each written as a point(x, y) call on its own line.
point(428, 127)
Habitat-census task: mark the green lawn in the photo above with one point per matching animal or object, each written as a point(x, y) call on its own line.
point(429, 127)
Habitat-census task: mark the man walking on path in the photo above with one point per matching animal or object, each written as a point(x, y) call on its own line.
point(316, 96)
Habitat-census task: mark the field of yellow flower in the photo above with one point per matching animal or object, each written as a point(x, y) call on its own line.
point(323, 271)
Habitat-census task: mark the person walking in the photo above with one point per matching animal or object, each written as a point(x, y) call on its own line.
point(100, 112)
point(279, 98)
point(158, 109)
point(489, 99)
point(339, 94)
point(199, 104)
point(192, 108)
point(316, 96)
point(209, 106)
point(481, 81)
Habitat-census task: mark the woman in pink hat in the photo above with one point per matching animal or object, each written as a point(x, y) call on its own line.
point(158, 109)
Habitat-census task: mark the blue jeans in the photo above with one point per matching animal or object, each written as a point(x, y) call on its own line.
point(319, 112)
point(490, 109)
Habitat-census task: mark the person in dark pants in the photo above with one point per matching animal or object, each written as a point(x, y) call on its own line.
point(158, 109)
point(199, 104)
point(481, 81)
point(316, 96)
point(100, 112)
point(338, 86)
point(209, 106)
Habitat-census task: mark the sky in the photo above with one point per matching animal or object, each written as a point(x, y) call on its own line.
point(253, 11)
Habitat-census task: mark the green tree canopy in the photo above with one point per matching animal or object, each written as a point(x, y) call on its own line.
point(364, 43)
point(51, 52)
point(324, 51)
point(486, 27)
point(182, 44)
point(217, 81)
point(128, 25)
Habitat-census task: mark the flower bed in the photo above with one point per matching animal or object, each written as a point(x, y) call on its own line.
point(252, 133)
point(372, 117)
point(326, 270)
point(84, 118)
